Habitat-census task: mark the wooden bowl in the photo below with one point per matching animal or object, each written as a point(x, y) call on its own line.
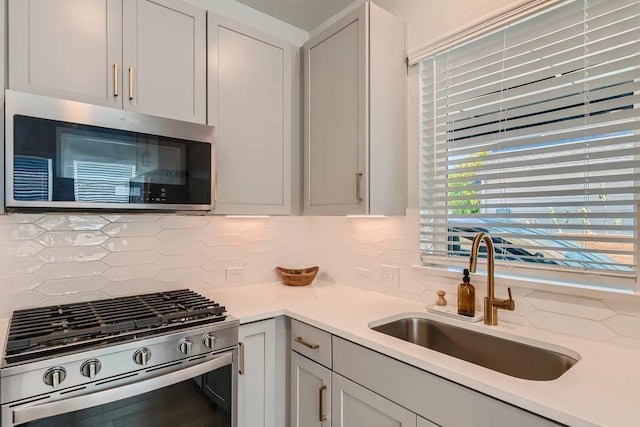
point(297, 276)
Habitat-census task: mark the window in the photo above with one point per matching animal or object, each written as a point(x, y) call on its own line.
point(532, 134)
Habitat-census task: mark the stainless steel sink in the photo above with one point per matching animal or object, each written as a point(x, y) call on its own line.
point(499, 354)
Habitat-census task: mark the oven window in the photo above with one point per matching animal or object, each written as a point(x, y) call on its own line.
point(62, 162)
point(185, 404)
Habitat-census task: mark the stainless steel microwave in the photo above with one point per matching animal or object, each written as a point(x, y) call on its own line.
point(64, 154)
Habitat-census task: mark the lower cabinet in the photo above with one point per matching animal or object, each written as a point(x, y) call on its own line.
point(355, 406)
point(256, 376)
point(310, 393)
point(425, 423)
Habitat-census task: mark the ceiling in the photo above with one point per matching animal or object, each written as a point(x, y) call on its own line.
point(304, 14)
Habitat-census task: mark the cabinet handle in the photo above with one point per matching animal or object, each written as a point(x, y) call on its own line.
point(130, 82)
point(358, 181)
point(115, 79)
point(321, 417)
point(306, 344)
point(241, 357)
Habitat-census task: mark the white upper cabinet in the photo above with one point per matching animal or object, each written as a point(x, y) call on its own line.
point(250, 98)
point(142, 55)
point(354, 116)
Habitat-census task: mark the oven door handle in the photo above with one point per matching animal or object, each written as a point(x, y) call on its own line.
point(37, 412)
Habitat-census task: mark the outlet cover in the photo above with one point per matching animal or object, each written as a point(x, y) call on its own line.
point(390, 276)
point(234, 274)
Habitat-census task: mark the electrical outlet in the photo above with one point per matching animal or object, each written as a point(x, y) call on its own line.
point(363, 276)
point(234, 274)
point(390, 276)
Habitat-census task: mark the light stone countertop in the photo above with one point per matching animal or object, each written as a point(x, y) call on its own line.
point(600, 390)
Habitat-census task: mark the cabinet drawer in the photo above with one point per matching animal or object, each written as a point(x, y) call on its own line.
point(311, 342)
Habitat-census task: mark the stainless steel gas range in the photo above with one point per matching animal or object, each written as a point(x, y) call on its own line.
point(161, 359)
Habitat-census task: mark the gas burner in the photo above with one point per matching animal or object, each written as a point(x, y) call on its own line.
point(46, 331)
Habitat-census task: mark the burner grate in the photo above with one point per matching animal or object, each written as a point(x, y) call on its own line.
point(65, 325)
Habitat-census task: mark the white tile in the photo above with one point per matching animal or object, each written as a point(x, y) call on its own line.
point(72, 269)
point(627, 326)
point(215, 278)
point(20, 282)
point(630, 306)
point(117, 244)
point(259, 245)
point(570, 306)
point(72, 298)
point(183, 235)
point(19, 248)
point(260, 232)
point(182, 261)
point(131, 287)
point(511, 317)
point(72, 286)
point(225, 226)
point(402, 244)
point(181, 274)
point(224, 252)
point(19, 231)
point(116, 259)
point(365, 235)
point(19, 218)
point(221, 264)
point(369, 248)
point(72, 253)
point(261, 256)
point(569, 325)
point(72, 238)
point(132, 272)
point(16, 301)
point(182, 248)
point(177, 221)
point(223, 240)
point(15, 266)
point(132, 229)
point(141, 217)
point(402, 257)
point(72, 222)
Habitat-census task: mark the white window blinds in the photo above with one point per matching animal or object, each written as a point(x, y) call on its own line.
point(532, 133)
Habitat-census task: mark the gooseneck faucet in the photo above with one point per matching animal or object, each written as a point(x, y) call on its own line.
point(491, 303)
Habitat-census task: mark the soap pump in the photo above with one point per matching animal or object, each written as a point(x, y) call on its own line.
point(466, 296)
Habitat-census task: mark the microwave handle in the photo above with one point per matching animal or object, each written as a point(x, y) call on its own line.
point(36, 412)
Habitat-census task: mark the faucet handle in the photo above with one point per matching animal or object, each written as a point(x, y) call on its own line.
point(509, 304)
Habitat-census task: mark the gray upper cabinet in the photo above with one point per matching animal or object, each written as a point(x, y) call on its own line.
point(250, 98)
point(142, 55)
point(354, 116)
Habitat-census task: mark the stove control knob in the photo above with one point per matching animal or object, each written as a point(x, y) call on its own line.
point(142, 356)
point(90, 368)
point(209, 341)
point(54, 376)
point(185, 345)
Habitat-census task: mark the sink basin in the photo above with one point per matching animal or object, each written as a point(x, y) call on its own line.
point(499, 354)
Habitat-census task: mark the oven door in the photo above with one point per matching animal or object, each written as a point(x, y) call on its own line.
point(184, 397)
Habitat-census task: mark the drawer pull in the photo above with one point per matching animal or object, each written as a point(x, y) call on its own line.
point(306, 344)
point(241, 361)
point(321, 417)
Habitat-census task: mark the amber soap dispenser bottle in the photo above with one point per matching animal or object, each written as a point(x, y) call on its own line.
point(466, 296)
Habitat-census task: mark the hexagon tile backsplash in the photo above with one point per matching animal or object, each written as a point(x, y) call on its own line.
point(49, 259)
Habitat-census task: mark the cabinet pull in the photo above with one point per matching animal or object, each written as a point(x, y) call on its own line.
point(241, 357)
point(321, 416)
point(306, 344)
point(358, 182)
point(130, 83)
point(115, 79)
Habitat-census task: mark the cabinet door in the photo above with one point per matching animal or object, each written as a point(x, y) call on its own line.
point(164, 46)
point(310, 393)
point(256, 379)
point(335, 125)
point(250, 99)
point(67, 49)
point(355, 406)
